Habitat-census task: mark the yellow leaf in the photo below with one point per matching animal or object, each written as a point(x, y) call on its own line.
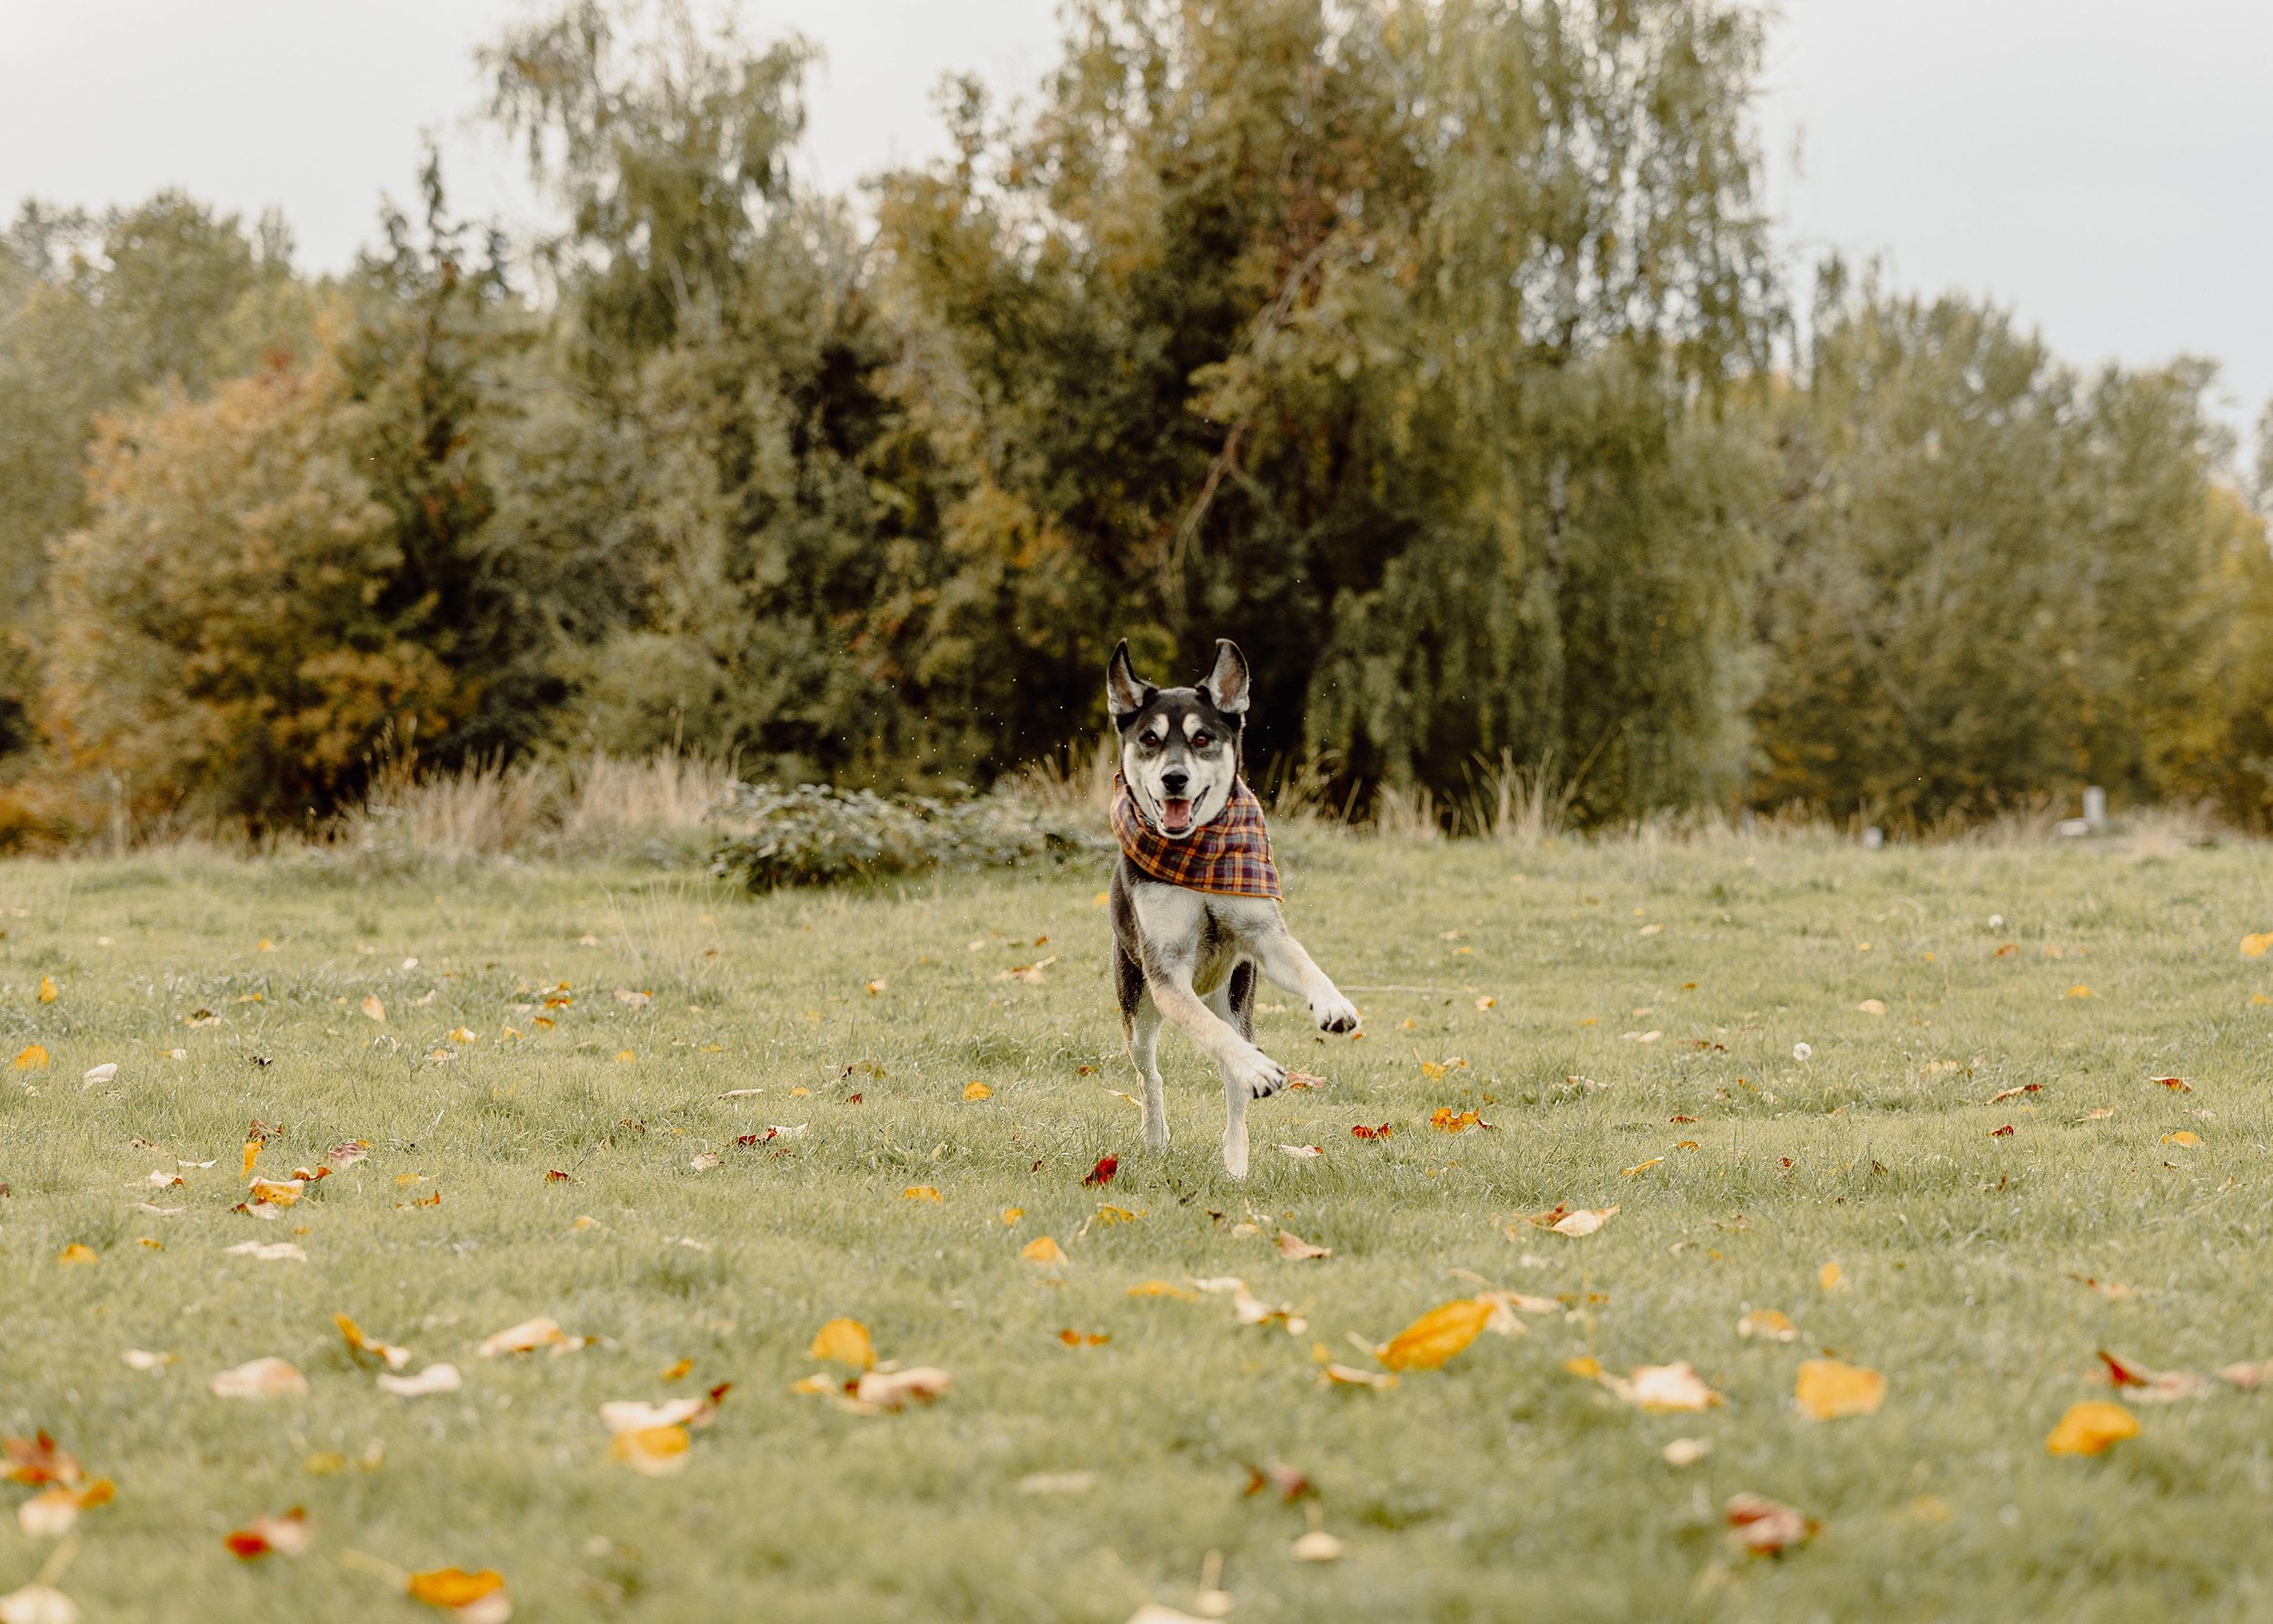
point(375, 1009)
point(978, 1091)
point(675, 1371)
point(625, 1057)
point(1011, 1215)
point(540, 1332)
point(462, 1035)
point(1872, 1007)
point(844, 1342)
point(1584, 1366)
point(395, 1358)
point(1831, 1276)
point(252, 1155)
point(1437, 1335)
point(2255, 945)
point(2088, 1429)
point(652, 1451)
point(1643, 1166)
point(1162, 1289)
point(2078, 991)
point(47, 990)
point(921, 1192)
point(76, 1252)
point(1768, 1324)
point(2185, 1136)
point(32, 1059)
point(1829, 1389)
point(1043, 1250)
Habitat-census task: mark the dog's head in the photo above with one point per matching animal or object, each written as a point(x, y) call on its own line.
point(1179, 747)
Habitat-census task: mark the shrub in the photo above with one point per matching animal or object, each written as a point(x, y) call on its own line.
point(815, 835)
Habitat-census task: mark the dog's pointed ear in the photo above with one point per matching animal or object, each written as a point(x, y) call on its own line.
point(1125, 693)
point(1227, 684)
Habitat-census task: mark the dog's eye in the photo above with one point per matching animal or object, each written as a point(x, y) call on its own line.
point(1200, 741)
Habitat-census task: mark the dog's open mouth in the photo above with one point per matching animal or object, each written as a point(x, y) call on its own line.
point(1175, 817)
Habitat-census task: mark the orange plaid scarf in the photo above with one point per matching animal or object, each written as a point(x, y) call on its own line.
point(1228, 856)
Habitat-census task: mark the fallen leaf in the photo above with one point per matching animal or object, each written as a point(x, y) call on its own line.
point(1349, 1375)
point(652, 1451)
point(1582, 1222)
point(2106, 1289)
point(844, 1342)
point(1297, 1250)
point(1663, 1389)
point(2091, 1428)
point(524, 1338)
point(2151, 1387)
point(1102, 1174)
point(1445, 1119)
point(1363, 1132)
point(2005, 1132)
point(1764, 1528)
point(77, 1252)
point(2078, 991)
point(2247, 1375)
point(377, 1011)
point(1074, 1338)
point(1768, 1324)
point(345, 1155)
point(2177, 1085)
point(1043, 1250)
point(268, 1378)
point(1436, 1336)
point(37, 1603)
point(477, 1598)
point(1317, 1546)
point(33, 1057)
point(2254, 945)
point(1999, 1098)
point(47, 993)
point(284, 1536)
point(50, 1514)
point(1162, 1289)
point(1302, 1152)
point(1829, 1389)
point(276, 1251)
point(139, 1359)
point(894, 1390)
point(978, 1091)
point(432, 1380)
point(2185, 1136)
point(1643, 1166)
point(1831, 1277)
point(1872, 1007)
point(1686, 1451)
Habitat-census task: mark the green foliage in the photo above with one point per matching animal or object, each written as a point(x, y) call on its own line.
point(815, 834)
point(1996, 579)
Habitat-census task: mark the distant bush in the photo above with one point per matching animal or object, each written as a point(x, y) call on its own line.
point(816, 835)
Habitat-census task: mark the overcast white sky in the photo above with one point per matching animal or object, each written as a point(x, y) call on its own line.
point(2106, 169)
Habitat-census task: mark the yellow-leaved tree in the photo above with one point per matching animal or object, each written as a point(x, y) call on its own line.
point(221, 646)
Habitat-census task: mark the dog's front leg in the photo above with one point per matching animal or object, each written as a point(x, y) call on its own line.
point(1144, 1050)
point(1248, 1072)
point(1291, 967)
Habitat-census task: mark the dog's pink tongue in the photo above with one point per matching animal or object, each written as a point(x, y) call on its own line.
point(1175, 817)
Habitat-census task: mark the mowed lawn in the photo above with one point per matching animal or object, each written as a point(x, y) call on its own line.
point(1079, 1483)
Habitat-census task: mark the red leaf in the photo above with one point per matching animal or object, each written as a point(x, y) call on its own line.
point(1102, 1174)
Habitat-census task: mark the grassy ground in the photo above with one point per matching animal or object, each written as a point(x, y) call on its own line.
point(1500, 1488)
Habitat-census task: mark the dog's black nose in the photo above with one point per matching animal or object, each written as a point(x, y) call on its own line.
point(1172, 784)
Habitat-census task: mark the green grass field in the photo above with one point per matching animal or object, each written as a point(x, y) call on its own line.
point(1059, 1482)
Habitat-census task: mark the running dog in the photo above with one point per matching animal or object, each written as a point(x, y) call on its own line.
point(1194, 896)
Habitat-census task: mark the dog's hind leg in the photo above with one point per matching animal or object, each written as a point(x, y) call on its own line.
point(1140, 1021)
point(1234, 1002)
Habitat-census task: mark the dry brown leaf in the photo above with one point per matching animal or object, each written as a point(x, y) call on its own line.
point(284, 1536)
point(895, 1390)
point(1663, 1388)
point(1349, 1375)
point(1765, 1528)
point(377, 1011)
point(1584, 1221)
point(1297, 1250)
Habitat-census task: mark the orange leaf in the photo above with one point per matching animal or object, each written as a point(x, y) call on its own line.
point(2091, 1427)
point(1829, 1388)
point(844, 1342)
point(454, 1588)
point(286, 1536)
point(1074, 1338)
point(76, 1252)
point(1043, 1250)
point(32, 1059)
point(1437, 1335)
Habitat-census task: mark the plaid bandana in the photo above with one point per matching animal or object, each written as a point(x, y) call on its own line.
point(1228, 856)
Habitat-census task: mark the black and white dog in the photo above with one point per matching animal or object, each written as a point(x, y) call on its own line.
point(1195, 896)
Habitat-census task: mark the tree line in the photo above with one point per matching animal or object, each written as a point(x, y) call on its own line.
point(1437, 350)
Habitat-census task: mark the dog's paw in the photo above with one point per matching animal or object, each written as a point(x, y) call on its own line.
point(1157, 1133)
point(1260, 1076)
point(1234, 1152)
point(1334, 1013)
